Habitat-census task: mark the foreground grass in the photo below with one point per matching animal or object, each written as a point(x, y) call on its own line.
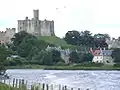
point(6, 87)
point(67, 67)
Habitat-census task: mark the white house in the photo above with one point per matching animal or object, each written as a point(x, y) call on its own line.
point(102, 56)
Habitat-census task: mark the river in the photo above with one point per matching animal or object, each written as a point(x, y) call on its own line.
point(94, 80)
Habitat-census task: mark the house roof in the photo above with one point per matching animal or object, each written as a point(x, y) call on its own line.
point(101, 52)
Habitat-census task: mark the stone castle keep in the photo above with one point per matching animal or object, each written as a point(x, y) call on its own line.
point(33, 26)
point(36, 26)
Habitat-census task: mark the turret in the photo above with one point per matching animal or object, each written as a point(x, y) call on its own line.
point(36, 14)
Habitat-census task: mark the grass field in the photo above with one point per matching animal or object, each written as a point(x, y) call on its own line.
point(56, 41)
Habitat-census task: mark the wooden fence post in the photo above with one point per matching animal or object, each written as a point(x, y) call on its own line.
point(43, 88)
point(9, 84)
point(51, 86)
point(47, 87)
point(65, 87)
point(16, 83)
point(13, 82)
point(59, 87)
point(71, 88)
point(20, 83)
point(62, 87)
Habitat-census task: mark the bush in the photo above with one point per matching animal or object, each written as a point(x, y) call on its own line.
point(60, 63)
point(116, 65)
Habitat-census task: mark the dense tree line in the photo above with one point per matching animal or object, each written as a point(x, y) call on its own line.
point(80, 57)
point(32, 50)
point(86, 38)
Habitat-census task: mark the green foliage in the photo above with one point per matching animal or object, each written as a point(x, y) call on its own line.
point(56, 41)
point(117, 65)
point(100, 40)
point(74, 57)
point(47, 58)
point(53, 40)
point(80, 57)
point(27, 45)
point(88, 57)
point(56, 56)
point(85, 38)
point(4, 53)
point(116, 55)
point(19, 37)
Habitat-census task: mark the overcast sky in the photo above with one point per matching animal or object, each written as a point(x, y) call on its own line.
point(98, 16)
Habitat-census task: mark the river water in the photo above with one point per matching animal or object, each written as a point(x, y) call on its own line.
point(94, 80)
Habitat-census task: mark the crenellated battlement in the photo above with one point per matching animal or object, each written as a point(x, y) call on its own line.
point(35, 26)
point(5, 36)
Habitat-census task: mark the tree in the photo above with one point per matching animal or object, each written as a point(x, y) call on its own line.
point(56, 56)
point(27, 45)
point(86, 38)
point(100, 40)
point(74, 57)
point(18, 37)
point(4, 53)
point(72, 37)
point(79, 38)
point(47, 58)
point(116, 55)
point(88, 57)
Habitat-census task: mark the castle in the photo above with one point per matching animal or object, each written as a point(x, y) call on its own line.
point(5, 36)
point(34, 26)
point(113, 43)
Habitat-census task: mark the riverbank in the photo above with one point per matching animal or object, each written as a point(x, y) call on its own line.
point(67, 67)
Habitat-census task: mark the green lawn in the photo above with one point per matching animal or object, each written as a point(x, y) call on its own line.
point(56, 41)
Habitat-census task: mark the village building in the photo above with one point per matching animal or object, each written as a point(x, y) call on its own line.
point(102, 56)
point(64, 53)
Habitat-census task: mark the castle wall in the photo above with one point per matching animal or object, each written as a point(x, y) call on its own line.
point(36, 26)
point(52, 28)
point(113, 43)
point(47, 28)
point(5, 37)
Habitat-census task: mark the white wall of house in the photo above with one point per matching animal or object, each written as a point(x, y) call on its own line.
point(98, 59)
point(103, 59)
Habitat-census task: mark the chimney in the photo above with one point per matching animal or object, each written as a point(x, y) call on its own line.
point(104, 48)
point(90, 49)
point(100, 48)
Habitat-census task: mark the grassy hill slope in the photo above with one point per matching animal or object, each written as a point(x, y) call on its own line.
point(56, 41)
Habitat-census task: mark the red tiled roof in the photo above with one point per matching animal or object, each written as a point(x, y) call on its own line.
point(96, 52)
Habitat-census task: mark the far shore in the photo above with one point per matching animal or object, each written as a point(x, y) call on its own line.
point(70, 67)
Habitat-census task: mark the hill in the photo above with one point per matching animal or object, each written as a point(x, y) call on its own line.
point(56, 41)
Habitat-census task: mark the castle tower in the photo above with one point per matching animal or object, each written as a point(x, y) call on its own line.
point(36, 14)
